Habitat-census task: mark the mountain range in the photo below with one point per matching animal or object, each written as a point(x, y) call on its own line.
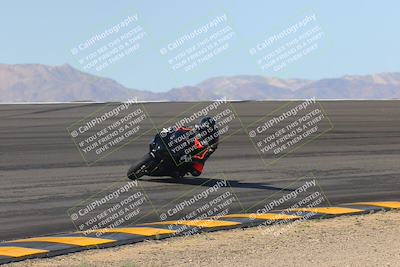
point(41, 83)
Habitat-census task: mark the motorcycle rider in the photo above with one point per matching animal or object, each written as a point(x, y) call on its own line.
point(205, 143)
point(182, 150)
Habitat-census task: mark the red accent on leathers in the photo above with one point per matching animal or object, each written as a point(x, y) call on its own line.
point(198, 166)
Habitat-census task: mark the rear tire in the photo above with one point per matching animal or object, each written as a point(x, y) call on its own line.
point(138, 170)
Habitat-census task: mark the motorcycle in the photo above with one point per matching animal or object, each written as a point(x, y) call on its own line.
point(173, 151)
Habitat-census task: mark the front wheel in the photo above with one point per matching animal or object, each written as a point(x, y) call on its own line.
point(138, 170)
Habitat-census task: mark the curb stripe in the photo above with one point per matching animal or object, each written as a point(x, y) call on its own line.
point(266, 216)
point(69, 240)
point(330, 210)
point(37, 245)
point(144, 231)
point(384, 204)
point(198, 223)
point(20, 252)
point(60, 244)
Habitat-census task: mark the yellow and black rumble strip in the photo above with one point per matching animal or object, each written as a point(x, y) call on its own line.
point(49, 246)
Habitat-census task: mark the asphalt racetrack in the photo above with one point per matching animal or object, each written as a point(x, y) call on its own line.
point(43, 176)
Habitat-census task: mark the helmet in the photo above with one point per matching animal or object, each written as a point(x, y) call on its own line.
point(207, 131)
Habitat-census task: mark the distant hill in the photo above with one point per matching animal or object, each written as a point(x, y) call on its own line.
point(40, 83)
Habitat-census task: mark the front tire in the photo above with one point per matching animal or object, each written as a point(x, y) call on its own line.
point(138, 170)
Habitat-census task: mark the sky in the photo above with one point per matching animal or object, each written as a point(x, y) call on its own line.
point(165, 44)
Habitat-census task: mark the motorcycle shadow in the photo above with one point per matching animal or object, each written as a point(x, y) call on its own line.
point(207, 182)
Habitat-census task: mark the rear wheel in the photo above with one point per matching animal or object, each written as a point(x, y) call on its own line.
point(138, 170)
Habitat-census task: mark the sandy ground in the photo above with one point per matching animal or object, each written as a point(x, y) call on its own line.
point(366, 240)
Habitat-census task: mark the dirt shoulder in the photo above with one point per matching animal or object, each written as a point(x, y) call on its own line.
point(366, 240)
